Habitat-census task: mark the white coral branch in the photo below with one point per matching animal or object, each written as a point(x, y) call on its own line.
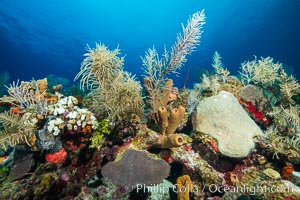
point(20, 94)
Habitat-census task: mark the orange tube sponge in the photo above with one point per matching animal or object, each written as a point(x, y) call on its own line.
point(184, 186)
point(163, 119)
point(172, 140)
point(176, 116)
point(167, 93)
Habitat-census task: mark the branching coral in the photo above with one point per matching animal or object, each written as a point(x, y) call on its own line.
point(289, 87)
point(291, 114)
point(247, 72)
point(28, 96)
point(284, 146)
point(15, 129)
point(22, 94)
point(187, 42)
point(263, 71)
point(210, 84)
point(288, 116)
point(157, 68)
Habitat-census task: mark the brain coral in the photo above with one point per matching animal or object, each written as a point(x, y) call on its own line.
point(135, 167)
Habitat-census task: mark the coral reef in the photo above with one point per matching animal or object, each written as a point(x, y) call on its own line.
point(40, 123)
point(99, 66)
point(239, 139)
point(121, 99)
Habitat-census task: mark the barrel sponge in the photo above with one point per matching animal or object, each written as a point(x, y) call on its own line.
point(135, 167)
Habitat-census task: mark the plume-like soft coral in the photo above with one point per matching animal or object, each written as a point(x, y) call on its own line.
point(120, 99)
point(218, 65)
point(15, 129)
point(114, 93)
point(157, 68)
point(99, 66)
point(187, 42)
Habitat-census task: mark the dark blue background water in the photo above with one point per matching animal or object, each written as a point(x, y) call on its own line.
point(39, 38)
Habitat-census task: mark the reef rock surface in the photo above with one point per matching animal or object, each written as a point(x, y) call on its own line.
point(222, 117)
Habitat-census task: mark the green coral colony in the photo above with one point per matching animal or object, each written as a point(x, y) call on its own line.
point(231, 137)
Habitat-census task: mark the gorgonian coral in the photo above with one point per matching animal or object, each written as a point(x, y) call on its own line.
point(99, 66)
point(289, 87)
point(15, 129)
point(218, 65)
point(120, 99)
point(115, 94)
point(157, 68)
point(262, 71)
point(27, 96)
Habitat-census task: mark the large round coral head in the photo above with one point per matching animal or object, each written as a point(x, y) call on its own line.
point(57, 157)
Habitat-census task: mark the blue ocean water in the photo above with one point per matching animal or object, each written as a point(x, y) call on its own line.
point(39, 38)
